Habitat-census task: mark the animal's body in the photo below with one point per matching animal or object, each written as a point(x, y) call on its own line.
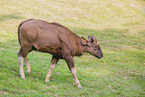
point(55, 39)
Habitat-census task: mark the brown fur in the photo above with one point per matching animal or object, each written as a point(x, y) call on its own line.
point(47, 37)
point(55, 39)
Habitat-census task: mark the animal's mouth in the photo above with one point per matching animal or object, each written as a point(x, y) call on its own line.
point(99, 56)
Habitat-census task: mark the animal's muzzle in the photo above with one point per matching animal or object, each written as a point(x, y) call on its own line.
point(100, 56)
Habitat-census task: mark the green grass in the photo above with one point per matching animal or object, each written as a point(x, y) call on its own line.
point(119, 26)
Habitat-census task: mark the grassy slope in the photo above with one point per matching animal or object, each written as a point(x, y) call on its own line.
point(119, 26)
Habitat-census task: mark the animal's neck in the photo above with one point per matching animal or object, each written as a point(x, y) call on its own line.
point(80, 49)
point(84, 48)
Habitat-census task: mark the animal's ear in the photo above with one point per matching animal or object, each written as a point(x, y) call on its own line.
point(84, 42)
point(90, 39)
point(95, 40)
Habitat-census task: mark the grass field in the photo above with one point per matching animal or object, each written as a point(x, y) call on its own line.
point(119, 26)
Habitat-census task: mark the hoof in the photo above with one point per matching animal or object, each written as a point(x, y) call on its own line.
point(46, 82)
point(23, 77)
point(28, 73)
point(80, 87)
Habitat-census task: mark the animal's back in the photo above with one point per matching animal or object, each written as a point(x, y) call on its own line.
point(43, 35)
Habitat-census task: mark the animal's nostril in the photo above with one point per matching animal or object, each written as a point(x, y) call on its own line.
point(101, 55)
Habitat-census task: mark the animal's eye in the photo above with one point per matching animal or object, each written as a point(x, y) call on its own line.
point(96, 47)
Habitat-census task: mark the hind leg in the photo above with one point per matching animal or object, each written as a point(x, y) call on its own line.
point(21, 59)
point(21, 56)
point(27, 65)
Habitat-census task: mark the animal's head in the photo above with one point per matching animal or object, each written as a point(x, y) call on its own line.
point(92, 46)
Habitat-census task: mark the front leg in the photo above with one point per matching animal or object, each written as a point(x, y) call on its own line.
point(70, 62)
point(52, 66)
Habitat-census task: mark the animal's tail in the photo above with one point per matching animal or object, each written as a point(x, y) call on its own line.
point(19, 29)
point(19, 32)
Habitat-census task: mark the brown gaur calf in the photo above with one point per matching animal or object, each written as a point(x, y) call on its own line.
point(55, 39)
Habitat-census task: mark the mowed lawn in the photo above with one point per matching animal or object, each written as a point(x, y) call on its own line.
point(119, 26)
